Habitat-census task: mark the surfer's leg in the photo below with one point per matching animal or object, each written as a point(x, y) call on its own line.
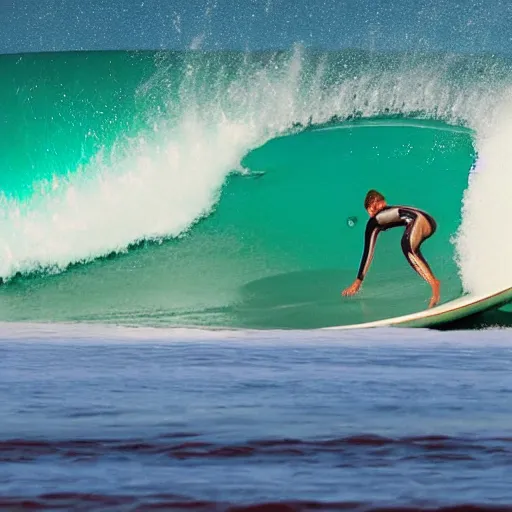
point(415, 234)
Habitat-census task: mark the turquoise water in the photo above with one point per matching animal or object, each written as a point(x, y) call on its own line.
point(225, 190)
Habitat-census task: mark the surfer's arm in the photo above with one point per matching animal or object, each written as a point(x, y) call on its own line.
point(370, 237)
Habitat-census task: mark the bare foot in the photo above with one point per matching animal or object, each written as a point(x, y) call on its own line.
point(352, 289)
point(434, 300)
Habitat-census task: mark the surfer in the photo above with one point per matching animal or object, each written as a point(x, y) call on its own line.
point(419, 226)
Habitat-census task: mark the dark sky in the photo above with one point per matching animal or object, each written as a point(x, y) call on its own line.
point(456, 25)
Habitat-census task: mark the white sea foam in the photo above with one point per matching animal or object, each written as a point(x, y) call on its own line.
point(484, 242)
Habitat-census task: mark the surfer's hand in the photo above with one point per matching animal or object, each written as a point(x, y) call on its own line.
point(352, 289)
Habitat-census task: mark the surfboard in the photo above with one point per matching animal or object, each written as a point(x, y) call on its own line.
point(456, 309)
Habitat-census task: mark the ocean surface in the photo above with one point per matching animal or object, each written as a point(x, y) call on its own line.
point(175, 231)
point(147, 419)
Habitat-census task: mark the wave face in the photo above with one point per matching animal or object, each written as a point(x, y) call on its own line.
point(248, 171)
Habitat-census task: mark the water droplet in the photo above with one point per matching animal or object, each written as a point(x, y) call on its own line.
point(351, 222)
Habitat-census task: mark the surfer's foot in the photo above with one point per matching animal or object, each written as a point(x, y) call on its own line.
point(352, 289)
point(436, 295)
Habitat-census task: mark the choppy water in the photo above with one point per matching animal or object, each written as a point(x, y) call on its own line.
point(116, 419)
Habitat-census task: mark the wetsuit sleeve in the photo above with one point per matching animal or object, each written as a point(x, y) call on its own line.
point(370, 237)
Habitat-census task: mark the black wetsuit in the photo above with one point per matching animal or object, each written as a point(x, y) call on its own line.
point(416, 233)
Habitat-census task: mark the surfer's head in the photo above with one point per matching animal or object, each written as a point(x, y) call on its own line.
point(374, 202)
